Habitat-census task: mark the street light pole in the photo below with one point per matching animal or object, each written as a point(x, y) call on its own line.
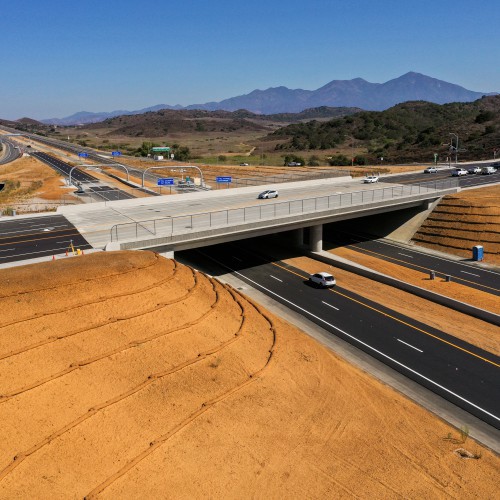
point(456, 146)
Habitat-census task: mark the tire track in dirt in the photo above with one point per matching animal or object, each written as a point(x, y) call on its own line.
point(207, 405)
point(157, 261)
point(97, 301)
point(158, 307)
point(151, 379)
point(131, 345)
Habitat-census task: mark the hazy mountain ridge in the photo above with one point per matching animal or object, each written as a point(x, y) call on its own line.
point(357, 93)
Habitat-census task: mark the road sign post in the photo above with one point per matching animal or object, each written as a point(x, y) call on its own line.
point(223, 180)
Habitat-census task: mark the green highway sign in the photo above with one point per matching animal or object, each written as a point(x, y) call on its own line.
point(164, 149)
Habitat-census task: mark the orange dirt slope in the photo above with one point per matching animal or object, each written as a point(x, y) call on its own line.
point(127, 375)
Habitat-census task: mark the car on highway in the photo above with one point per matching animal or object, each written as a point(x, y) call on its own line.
point(294, 164)
point(430, 170)
point(370, 178)
point(488, 170)
point(475, 169)
point(322, 279)
point(243, 164)
point(458, 172)
point(270, 193)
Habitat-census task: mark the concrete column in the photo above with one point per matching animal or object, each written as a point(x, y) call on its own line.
point(298, 237)
point(316, 238)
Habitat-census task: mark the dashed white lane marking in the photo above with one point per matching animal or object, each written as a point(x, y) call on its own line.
point(329, 305)
point(472, 274)
point(409, 345)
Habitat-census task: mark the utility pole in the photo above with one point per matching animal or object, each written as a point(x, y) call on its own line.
point(454, 147)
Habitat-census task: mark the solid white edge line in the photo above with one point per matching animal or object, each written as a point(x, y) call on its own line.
point(373, 349)
point(405, 255)
point(409, 345)
point(277, 279)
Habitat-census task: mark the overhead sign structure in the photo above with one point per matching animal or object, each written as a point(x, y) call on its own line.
point(115, 153)
point(164, 149)
point(223, 179)
point(83, 155)
point(169, 181)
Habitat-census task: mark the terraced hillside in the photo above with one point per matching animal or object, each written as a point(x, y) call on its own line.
point(463, 220)
point(127, 375)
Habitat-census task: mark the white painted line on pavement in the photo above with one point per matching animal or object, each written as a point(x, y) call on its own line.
point(409, 345)
point(368, 346)
point(277, 279)
point(406, 255)
point(329, 305)
point(472, 274)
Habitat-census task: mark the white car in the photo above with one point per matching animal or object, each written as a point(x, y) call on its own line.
point(474, 170)
point(430, 170)
point(322, 279)
point(370, 178)
point(488, 170)
point(270, 193)
point(458, 172)
point(243, 164)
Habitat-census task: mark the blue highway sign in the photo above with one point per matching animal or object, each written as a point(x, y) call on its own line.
point(115, 153)
point(223, 179)
point(83, 155)
point(169, 181)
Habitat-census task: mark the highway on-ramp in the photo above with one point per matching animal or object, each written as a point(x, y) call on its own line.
point(463, 374)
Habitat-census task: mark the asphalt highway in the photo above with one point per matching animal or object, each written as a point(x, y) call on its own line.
point(30, 238)
point(443, 173)
point(463, 374)
point(64, 168)
point(487, 280)
point(10, 152)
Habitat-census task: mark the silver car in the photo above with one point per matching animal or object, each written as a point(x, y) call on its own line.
point(270, 193)
point(322, 279)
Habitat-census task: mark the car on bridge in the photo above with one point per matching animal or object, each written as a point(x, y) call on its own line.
point(475, 169)
point(488, 170)
point(323, 280)
point(270, 193)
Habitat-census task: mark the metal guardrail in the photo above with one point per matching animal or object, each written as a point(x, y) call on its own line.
point(165, 226)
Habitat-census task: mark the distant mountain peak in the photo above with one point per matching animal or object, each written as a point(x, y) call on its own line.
point(355, 93)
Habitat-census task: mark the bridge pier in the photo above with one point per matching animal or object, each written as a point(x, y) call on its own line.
point(298, 237)
point(316, 238)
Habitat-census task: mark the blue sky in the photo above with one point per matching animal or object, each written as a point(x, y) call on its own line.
point(60, 56)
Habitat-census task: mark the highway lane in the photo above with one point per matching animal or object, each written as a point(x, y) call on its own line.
point(463, 374)
point(486, 280)
point(470, 180)
point(29, 238)
point(10, 152)
point(64, 168)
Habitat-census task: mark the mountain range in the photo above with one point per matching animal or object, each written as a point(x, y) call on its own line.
point(337, 93)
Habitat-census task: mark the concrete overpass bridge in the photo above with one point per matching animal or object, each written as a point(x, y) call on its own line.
point(181, 222)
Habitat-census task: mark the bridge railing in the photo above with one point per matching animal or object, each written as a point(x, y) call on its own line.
point(167, 226)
